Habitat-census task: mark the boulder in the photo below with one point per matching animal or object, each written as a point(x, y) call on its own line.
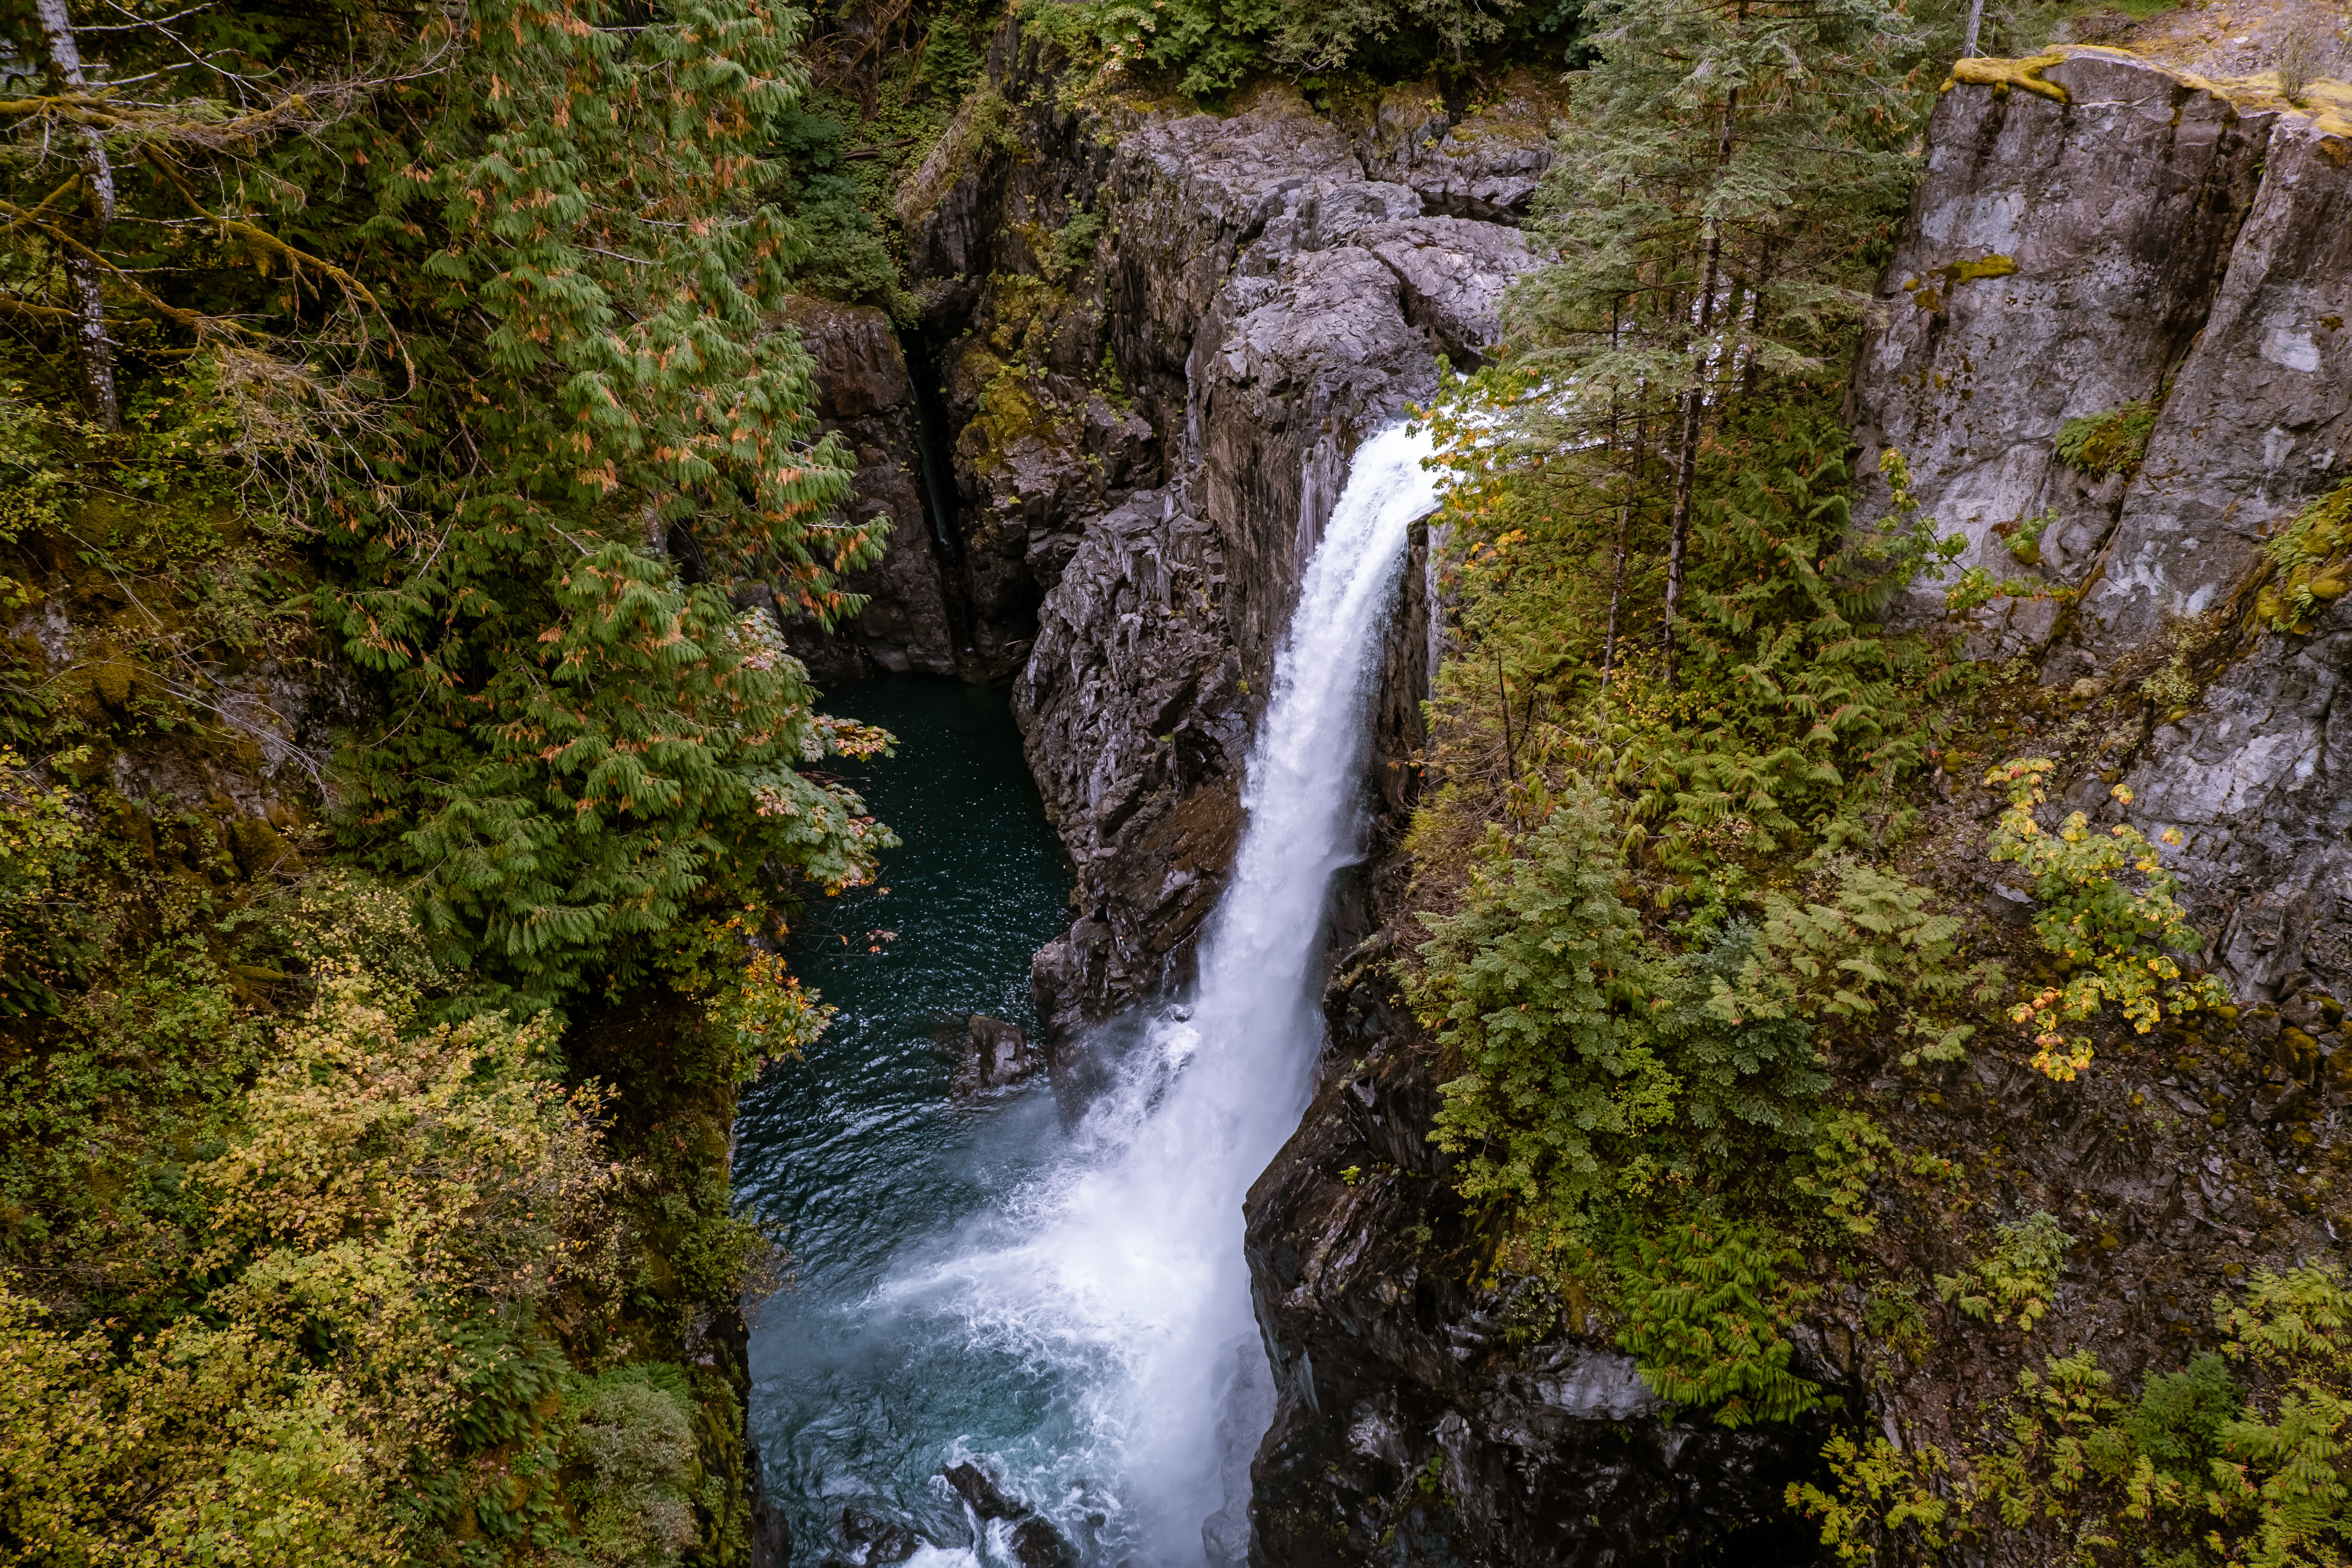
point(995, 1054)
point(983, 1492)
point(1034, 1543)
point(873, 1538)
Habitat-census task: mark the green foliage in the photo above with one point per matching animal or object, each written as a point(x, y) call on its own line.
point(1705, 1302)
point(1592, 1062)
point(1875, 959)
point(1753, 149)
point(1528, 985)
point(1878, 1491)
point(1793, 714)
point(2237, 1458)
point(391, 1210)
point(43, 846)
point(2308, 563)
point(2017, 1277)
point(847, 256)
point(2179, 1419)
point(635, 1437)
point(518, 380)
point(1208, 47)
point(2109, 443)
point(2117, 939)
point(1602, 1095)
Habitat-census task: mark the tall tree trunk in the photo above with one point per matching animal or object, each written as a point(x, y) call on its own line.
point(1626, 503)
point(91, 345)
point(1693, 406)
point(1968, 39)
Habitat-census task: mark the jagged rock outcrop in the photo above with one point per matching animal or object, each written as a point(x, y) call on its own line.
point(2058, 260)
point(1426, 1417)
point(2146, 239)
point(1156, 418)
point(865, 395)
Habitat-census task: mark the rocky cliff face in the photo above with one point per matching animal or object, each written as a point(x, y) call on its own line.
point(1162, 334)
point(2126, 234)
point(1425, 1414)
point(2130, 236)
point(866, 398)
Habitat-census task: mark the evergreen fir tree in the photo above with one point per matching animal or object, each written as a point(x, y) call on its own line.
point(1718, 185)
point(488, 292)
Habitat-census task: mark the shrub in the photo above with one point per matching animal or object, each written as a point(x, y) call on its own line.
point(2307, 560)
point(2016, 1278)
point(2238, 1459)
point(2119, 941)
point(1705, 1301)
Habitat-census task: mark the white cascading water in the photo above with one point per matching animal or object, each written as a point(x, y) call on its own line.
point(1124, 1258)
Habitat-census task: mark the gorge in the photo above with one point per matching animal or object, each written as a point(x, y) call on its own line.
point(1135, 784)
point(1149, 447)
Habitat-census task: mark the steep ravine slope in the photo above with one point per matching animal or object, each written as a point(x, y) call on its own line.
point(2131, 236)
point(1160, 334)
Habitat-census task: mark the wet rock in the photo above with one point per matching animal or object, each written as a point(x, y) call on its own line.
point(2260, 416)
point(1034, 1543)
point(2149, 239)
point(995, 1054)
point(1453, 274)
point(1135, 728)
point(874, 1537)
point(983, 1492)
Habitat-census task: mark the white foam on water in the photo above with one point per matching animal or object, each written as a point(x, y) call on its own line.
point(1120, 1271)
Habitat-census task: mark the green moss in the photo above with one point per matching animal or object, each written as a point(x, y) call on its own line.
point(2108, 443)
point(1928, 295)
point(2004, 74)
point(2309, 563)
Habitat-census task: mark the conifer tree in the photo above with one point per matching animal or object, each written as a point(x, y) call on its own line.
point(487, 288)
point(1723, 169)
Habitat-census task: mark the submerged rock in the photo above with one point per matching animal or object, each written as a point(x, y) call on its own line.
point(1037, 1544)
point(873, 1538)
point(983, 1492)
point(995, 1054)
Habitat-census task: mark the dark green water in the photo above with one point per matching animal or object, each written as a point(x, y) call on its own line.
point(857, 1148)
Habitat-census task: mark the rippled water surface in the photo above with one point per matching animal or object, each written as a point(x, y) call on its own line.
point(1066, 1307)
point(857, 1148)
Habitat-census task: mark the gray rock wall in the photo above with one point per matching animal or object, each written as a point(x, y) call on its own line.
point(863, 393)
point(2146, 239)
point(1153, 433)
point(2058, 260)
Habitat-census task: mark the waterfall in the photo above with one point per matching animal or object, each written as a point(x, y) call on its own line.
point(1105, 1287)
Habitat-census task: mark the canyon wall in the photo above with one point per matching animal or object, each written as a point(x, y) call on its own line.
point(1159, 336)
point(2126, 234)
point(2118, 232)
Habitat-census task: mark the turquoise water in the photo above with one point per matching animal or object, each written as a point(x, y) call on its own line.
point(857, 1150)
point(1067, 1309)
